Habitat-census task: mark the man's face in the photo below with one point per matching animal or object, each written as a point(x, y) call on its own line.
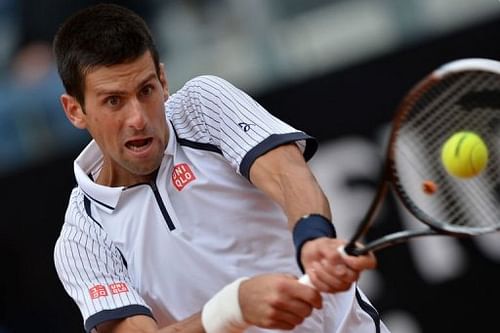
point(124, 113)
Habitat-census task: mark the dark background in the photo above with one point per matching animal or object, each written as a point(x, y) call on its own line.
point(352, 100)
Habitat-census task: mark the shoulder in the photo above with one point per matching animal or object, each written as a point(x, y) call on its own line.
point(199, 93)
point(206, 79)
point(80, 230)
point(76, 205)
point(77, 218)
point(207, 84)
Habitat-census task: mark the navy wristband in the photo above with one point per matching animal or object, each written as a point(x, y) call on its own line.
point(310, 227)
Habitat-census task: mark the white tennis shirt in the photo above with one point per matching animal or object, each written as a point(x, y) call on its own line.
point(164, 248)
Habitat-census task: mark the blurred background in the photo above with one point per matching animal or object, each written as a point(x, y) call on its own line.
point(334, 68)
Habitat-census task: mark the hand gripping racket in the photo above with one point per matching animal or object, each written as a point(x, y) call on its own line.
point(462, 96)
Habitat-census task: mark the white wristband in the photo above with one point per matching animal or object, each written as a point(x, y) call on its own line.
point(222, 313)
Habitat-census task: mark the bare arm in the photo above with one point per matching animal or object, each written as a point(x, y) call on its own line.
point(284, 175)
point(274, 301)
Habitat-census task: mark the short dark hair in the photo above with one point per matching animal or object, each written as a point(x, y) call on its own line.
point(100, 35)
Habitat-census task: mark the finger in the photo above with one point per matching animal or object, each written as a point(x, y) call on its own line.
point(298, 308)
point(293, 296)
point(292, 313)
point(333, 253)
point(280, 320)
point(317, 279)
point(340, 271)
point(273, 323)
point(326, 280)
point(358, 263)
point(310, 297)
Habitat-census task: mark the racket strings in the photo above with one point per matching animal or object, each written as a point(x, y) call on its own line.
point(474, 119)
point(483, 203)
point(455, 103)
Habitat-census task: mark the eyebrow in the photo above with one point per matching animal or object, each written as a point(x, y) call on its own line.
point(121, 92)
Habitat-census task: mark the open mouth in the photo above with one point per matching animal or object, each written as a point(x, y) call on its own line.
point(138, 145)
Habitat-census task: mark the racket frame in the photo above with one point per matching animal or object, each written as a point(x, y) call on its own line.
point(388, 176)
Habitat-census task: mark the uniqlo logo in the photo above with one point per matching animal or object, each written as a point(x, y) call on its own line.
point(118, 287)
point(98, 291)
point(182, 175)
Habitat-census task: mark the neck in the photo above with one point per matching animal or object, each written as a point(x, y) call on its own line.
point(113, 178)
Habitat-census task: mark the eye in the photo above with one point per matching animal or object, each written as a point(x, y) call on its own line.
point(113, 101)
point(147, 90)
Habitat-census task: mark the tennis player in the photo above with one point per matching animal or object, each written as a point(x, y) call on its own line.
point(194, 212)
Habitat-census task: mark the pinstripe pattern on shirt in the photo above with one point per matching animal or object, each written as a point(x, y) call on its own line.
point(210, 110)
point(208, 113)
point(86, 258)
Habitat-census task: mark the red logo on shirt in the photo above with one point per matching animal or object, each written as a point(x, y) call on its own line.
point(98, 291)
point(182, 175)
point(118, 287)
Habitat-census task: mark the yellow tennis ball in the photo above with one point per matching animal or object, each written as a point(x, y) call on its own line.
point(464, 154)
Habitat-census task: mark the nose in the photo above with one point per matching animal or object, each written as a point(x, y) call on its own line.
point(136, 116)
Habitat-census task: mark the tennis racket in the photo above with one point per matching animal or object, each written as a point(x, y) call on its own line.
point(462, 95)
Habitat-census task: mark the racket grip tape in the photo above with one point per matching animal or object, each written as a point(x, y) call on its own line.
point(306, 280)
point(351, 249)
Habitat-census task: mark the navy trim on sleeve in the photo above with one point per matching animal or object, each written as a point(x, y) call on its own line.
point(119, 313)
point(274, 141)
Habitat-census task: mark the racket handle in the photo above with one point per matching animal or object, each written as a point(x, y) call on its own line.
point(351, 249)
point(305, 280)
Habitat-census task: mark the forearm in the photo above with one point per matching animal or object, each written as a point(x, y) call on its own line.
point(283, 174)
point(189, 325)
point(222, 313)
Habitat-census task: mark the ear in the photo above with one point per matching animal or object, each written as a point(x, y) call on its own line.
point(163, 80)
point(74, 111)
